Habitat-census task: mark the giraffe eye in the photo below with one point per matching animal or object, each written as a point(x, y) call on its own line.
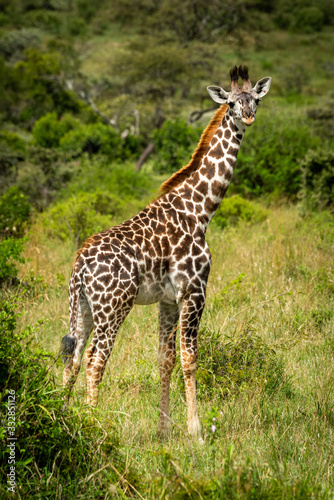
point(231, 104)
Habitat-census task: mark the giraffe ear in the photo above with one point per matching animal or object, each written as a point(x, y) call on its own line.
point(262, 87)
point(218, 94)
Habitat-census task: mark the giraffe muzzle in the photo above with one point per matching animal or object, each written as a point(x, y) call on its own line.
point(248, 120)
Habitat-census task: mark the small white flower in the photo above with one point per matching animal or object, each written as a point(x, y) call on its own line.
point(213, 428)
point(214, 419)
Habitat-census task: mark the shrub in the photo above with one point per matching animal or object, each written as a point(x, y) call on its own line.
point(15, 211)
point(49, 130)
point(121, 180)
point(268, 161)
point(174, 142)
point(10, 254)
point(309, 19)
point(235, 209)
point(12, 151)
point(13, 42)
point(37, 82)
point(317, 169)
point(91, 138)
point(81, 216)
point(44, 19)
point(229, 365)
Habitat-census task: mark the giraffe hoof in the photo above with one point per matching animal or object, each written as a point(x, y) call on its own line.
point(64, 408)
point(163, 431)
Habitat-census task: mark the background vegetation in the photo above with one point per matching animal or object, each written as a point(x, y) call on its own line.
point(100, 103)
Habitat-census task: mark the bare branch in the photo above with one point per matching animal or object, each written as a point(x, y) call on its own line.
point(145, 154)
point(197, 115)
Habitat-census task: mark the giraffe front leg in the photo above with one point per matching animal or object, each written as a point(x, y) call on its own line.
point(190, 317)
point(168, 320)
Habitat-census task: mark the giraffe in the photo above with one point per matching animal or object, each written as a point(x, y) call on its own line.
point(160, 255)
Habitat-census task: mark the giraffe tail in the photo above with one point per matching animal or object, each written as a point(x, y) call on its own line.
point(67, 347)
point(68, 342)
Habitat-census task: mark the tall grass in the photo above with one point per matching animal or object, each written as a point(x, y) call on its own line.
point(270, 297)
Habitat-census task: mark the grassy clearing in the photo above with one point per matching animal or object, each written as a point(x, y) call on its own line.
point(271, 291)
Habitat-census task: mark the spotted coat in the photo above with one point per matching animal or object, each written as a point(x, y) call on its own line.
point(159, 255)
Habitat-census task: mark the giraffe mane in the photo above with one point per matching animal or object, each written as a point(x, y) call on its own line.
point(201, 149)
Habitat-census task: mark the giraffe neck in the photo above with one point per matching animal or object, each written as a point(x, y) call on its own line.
point(204, 190)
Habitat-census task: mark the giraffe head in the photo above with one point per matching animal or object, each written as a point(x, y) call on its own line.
point(242, 99)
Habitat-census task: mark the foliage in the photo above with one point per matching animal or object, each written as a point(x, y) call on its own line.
point(36, 82)
point(305, 17)
point(92, 138)
point(43, 174)
point(323, 119)
point(12, 151)
point(98, 138)
point(48, 130)
point(317, 190)
point(152, 71)
point(81, 216)
point(174, 144)
point(268, 161)
point(15, 42)
point(54, 449)
point(230, 365)
point(15, 211)
point(309, 19)
point(236, 209)
point(196, 20)
point(121, 180)
point(10, 254)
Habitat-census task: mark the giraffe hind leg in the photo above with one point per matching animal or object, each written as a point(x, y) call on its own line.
point(99, 350)
point(73, 345)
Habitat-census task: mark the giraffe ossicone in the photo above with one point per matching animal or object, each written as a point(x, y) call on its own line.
point(160, 255)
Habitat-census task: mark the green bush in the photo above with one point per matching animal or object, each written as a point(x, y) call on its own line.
point(37, 84)
point(305, 17)
point(309, 19)
point(49, 130)
point(121, 180)
point(43, 19)
point(175, 143)
point(12, 151)
point(43, 174)
point(91, 138)
point(236, 209)
point(15, 211)
point(318, 180)
point(268, 161)
point(230, 365)
point(16, 41)
point(81, 216)
point(10, 254)
point(55, 450)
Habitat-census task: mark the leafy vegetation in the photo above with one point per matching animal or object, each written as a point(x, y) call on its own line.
point(50, 439)
point(236, 209)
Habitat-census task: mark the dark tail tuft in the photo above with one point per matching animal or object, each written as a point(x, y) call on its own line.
point(67, 347)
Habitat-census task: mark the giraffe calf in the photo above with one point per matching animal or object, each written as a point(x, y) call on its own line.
point(160, 255)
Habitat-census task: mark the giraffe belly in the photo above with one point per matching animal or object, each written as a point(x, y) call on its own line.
point(150, 292)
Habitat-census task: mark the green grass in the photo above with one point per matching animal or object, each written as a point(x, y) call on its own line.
point(275, 280)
